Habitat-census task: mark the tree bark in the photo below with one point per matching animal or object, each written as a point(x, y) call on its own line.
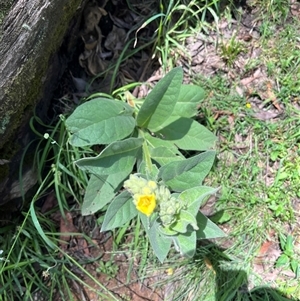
point(32, 33)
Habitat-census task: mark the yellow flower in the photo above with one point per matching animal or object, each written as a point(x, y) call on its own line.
point(169, 271)
point(248, 105)
point(146, 204)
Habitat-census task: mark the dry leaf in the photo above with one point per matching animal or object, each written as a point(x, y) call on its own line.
point(239, 91)
point(82, 245)
point(272, 97)
point(209, 264)
point(67, 227)
point(115, 40)
point(264, 249)
point(265, 115)
point(49, 203)
point(246, 81)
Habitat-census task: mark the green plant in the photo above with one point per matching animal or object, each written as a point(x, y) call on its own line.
point(288, 257)
point(281, 207)
point(230, 50)
point(33, 265)
point(109, 268)
point(176, 21)
point(165, 190)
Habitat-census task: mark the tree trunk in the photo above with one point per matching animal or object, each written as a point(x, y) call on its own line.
point(32, 33)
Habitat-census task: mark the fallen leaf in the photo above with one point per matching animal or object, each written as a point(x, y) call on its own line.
point(272, 96)
point(264, 249)
point(66, 228)
point(82, 245)
point(239, 91)
point(246, 81)
point(115, 40)
point(265, 115)
point(49, 203)
point(209, 264)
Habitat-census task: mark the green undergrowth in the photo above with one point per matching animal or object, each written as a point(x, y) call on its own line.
point(257, 166)
point(33, 262)
point(258, 159)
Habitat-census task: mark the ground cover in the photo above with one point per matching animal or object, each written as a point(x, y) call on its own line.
point(247, 60)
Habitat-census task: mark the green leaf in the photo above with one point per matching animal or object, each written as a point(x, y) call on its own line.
point(40, 231)
point(163, 155)
point(185, 219)
point(154, 142)
point(294, 265)
point(282, 240)
point(160, 243)
point(282, 260)
point(289, 245)
point(188, 173)
point(221, 217)
point(188, 134)
point(186, 243)
point(297, 272)
point(195, 197)
point(119, 156)
point(100, 191)
point(151, 175)
point(160, 102)
point(120, 211)
point(188, 101)
point(207, 229)
point(167, 231)
point(100, 121)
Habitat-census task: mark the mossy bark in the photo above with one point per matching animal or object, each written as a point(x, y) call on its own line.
point(32, 32)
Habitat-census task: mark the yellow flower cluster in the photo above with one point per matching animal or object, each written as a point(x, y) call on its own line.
point(143, 192)
point(147, 196)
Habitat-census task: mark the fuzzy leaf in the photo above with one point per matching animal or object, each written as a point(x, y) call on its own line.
point(119, 156)
point(152, 174)
point(188, 100)
point(207, 229)
point(167, 231)
point(188, 173)
point(154, 142)
point(119, 212)
point(160, 102)
point(186, 243)
point(184, 220)
point(163, 155)
point(100, 121)
point(100, 191)
point(195, 197)
point(160, 243)
point(188, 134)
